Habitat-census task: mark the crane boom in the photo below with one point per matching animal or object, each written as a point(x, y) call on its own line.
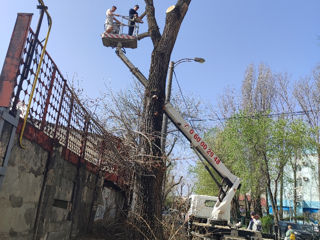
point(222, 208)
point(199, 144)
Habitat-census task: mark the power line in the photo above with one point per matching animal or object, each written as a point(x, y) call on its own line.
point(183, 98)
point(296, 113)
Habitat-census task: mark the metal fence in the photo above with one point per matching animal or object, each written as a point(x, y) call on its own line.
point(55, 109)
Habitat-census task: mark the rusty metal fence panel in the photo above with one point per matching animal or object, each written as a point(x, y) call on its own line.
point(55, 109)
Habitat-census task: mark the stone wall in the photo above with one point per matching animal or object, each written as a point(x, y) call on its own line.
point(44, 196)
point(20, 191)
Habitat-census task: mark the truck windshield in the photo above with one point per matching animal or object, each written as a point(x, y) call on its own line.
point(210, 203)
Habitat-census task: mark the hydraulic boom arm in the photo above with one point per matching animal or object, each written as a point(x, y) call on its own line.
point(230, 182)
point(199, 144)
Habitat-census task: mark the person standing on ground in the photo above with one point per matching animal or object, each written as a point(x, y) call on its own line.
point(257, 226)
point(250, 226)
point(109, 20)
point(290, 234)
point(134, 17)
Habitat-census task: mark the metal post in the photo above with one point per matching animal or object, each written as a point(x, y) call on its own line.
point(37, 73)
point(164, 127)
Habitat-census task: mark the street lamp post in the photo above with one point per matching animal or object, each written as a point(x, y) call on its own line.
point(172, 65)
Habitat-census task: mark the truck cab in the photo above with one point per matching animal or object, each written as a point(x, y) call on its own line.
point(200, 207)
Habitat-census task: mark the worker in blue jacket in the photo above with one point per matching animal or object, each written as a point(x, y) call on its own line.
point(134, 17)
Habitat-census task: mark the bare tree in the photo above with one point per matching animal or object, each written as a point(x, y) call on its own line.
point(307, 93)
point(122, 115)
point(248, 85)
point(149, 180)
point(258, 92)
point(258, 95)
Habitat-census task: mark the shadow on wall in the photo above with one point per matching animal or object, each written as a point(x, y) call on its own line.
point(110, 205)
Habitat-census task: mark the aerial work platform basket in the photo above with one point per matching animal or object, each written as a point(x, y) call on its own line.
point(118, 36)
point(112, 40)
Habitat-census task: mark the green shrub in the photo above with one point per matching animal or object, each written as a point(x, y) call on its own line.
point(267, 222)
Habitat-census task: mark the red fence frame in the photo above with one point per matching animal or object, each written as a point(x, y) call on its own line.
point(55, 112)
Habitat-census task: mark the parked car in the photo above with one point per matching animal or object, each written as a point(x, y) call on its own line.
point(313, 229)
point(300, 232)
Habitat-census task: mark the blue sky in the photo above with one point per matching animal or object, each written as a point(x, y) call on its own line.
point(229, 34)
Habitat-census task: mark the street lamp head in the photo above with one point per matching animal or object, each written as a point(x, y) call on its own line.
point(200, 60)
point(182, 60)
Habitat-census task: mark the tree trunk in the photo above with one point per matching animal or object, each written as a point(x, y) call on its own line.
point(281, 195)
point(235, 209)
point(148, 186)
point(274, 208)
point(295, 189)
point(257, 200)
point(267, 201)
point(318, 151)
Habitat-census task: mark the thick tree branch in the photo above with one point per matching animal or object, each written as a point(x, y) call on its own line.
point(143, 35)
point(153, 28)
point(174, 18)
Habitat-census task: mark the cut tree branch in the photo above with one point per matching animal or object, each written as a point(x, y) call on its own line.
point(143, 35)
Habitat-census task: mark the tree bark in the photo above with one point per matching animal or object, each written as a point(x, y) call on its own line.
point(281, 195)
point(257, 200)
point(267, 201)
point(148, 183)
point(318, 152)
point(235, 209)
point(274, 207)
point(295, 188)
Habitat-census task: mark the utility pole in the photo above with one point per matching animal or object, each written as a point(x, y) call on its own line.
point(164, 127)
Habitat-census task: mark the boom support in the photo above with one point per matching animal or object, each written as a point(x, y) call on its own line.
point(230, 182)
point(221, 210)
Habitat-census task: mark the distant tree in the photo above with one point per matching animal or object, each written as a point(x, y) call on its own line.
point(247, 134)
point(307, 94)
point(300, 145)
point(285, 104)
point(259, 95)
point(247, 147)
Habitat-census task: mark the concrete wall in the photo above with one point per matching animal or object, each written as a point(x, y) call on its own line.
point(43, 196)
point(20, 191)
point(110, 206)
